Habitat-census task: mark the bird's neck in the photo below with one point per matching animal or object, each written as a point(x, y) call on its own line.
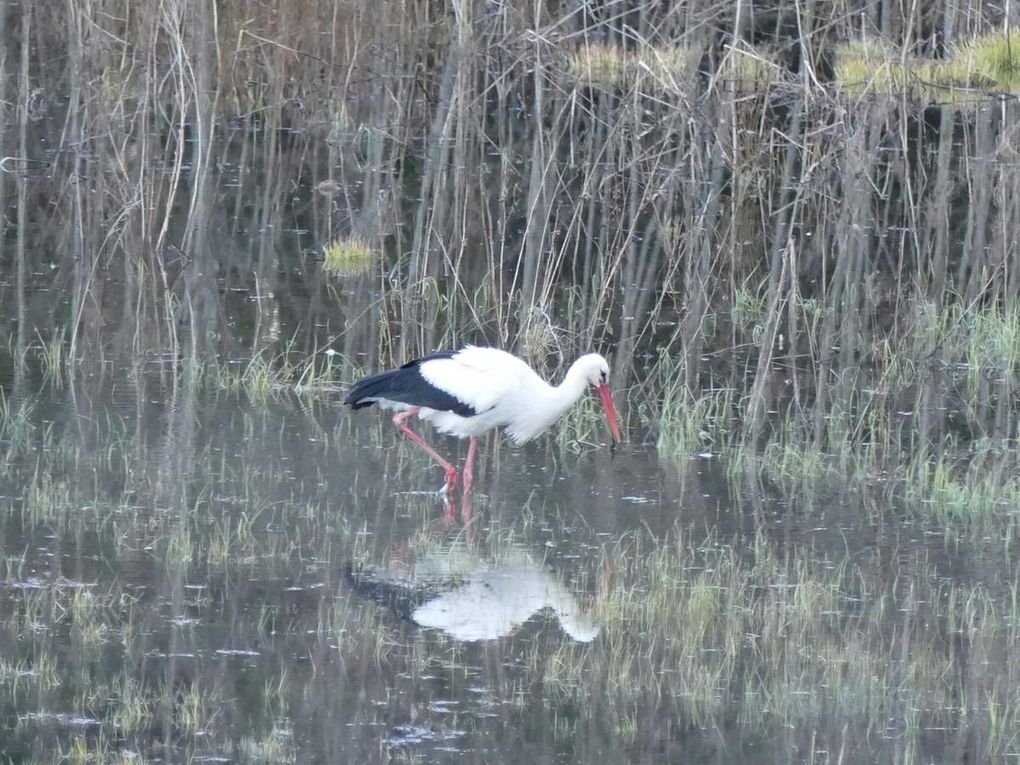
point(572, 388)
point(553, 401)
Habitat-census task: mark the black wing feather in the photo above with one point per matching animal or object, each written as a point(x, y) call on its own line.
point(408, 386)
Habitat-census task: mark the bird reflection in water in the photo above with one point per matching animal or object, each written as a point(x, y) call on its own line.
point(468, 597)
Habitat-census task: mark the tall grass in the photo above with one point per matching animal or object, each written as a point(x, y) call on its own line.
point(704, 195)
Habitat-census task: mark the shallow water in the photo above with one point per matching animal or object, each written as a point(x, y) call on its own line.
point(200, 562)
point(203, 576)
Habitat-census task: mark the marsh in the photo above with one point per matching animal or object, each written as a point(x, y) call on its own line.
point(804, 281)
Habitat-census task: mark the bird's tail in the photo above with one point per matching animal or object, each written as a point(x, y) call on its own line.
point(368, 390)
point(407, 386)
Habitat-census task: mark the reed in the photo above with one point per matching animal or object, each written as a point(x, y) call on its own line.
point(810, 278)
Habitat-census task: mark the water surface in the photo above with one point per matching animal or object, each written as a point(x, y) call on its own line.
point(212, 577)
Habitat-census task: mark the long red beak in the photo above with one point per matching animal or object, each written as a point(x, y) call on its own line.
point(610, 407)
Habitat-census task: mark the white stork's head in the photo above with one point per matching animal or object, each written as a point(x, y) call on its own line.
point(595, 370)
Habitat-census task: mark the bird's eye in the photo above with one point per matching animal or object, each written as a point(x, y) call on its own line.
point(605, 377)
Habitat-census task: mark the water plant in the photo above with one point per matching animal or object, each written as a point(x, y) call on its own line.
point(609, 64)
point(982, 64)
point(808, 276)
point(347, 257)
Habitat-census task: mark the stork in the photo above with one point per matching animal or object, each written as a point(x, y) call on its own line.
point(469, 392)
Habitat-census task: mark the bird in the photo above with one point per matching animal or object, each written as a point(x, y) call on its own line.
point(469, 392)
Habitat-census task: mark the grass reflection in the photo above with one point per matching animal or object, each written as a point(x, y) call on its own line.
point(160, 604)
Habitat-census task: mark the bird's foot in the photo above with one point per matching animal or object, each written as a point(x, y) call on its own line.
point(451, 479)
point(451, 482)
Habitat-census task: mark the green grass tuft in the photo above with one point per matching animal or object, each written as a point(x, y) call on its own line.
point(614, 65)
point(347, 257)
point(984, 64)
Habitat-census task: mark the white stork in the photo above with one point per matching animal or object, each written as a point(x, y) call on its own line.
point(469, 392)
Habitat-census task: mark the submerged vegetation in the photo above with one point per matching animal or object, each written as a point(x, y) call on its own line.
point(864, 663)
point(793, 228)
point(231, 625)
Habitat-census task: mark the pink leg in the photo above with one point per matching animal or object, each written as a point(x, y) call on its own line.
point(400, 420)
point(469, 466)
point(467, 512)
